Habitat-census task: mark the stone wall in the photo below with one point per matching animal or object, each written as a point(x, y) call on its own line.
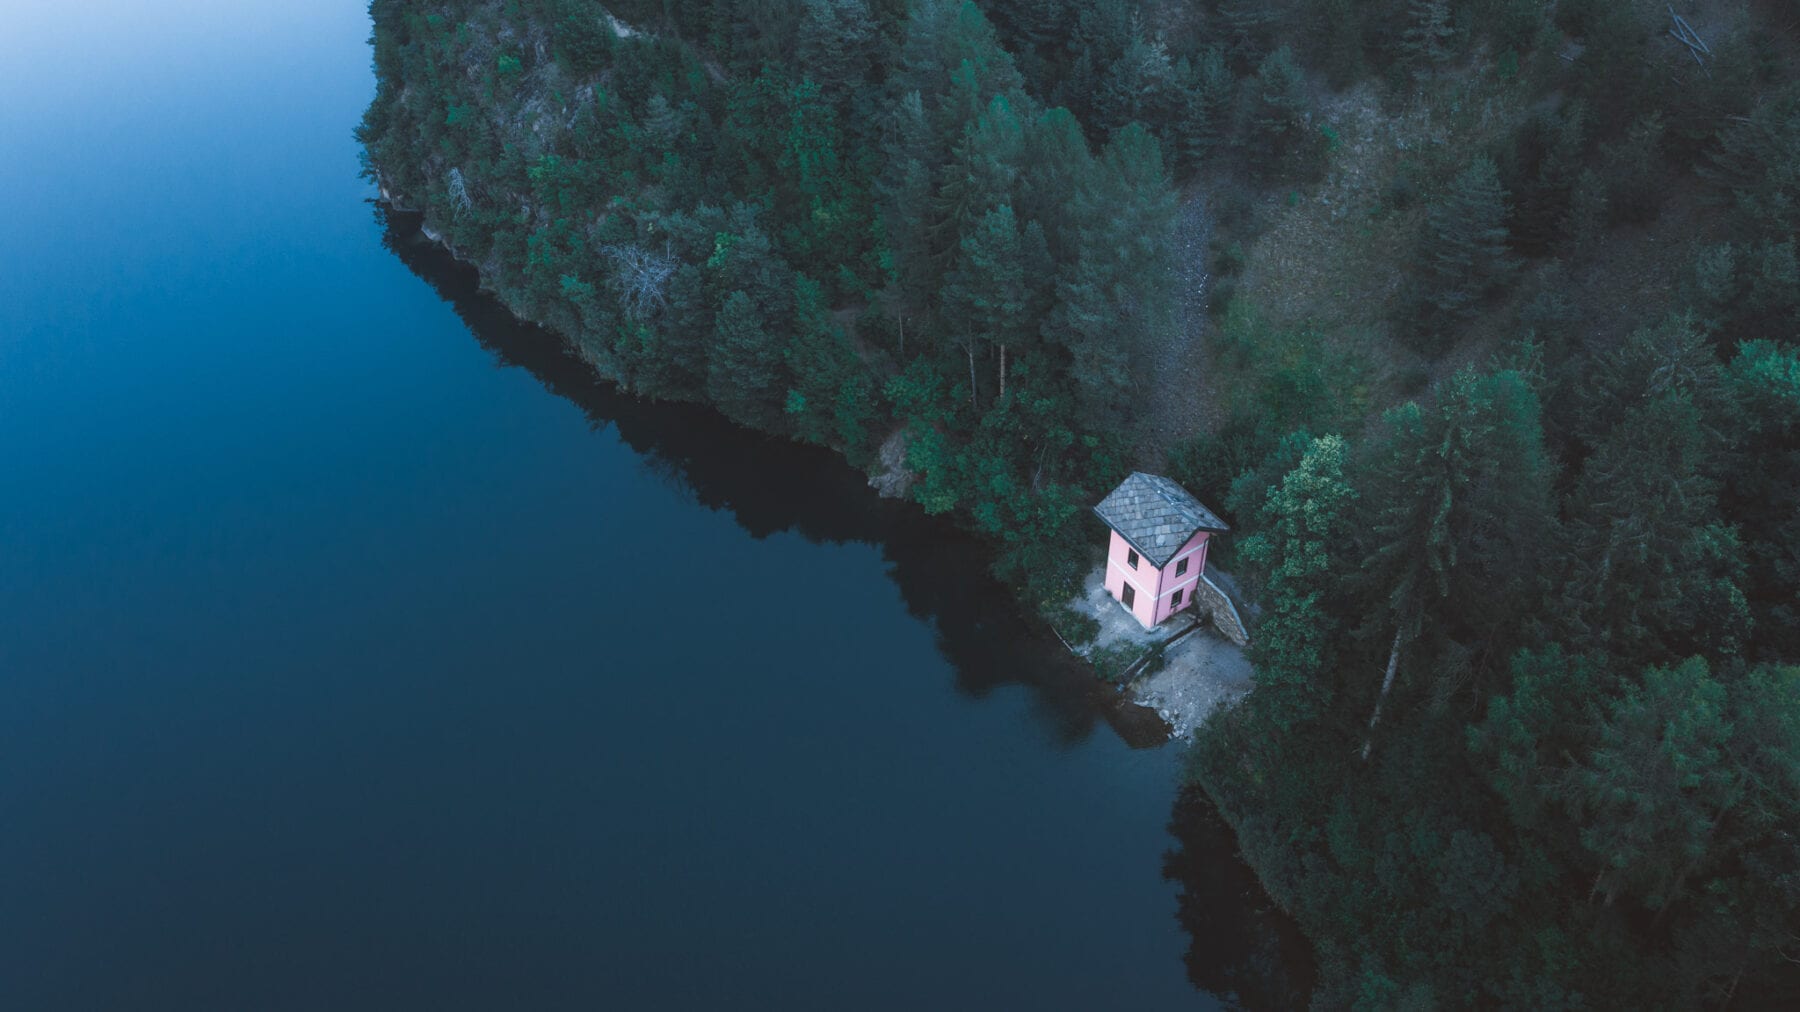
point(1216, 603)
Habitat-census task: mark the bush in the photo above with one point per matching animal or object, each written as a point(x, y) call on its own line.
point(1077, 628)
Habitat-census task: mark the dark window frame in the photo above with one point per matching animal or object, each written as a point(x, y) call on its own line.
point(1181, 567)
point(1131, 557)
point(1128, 594)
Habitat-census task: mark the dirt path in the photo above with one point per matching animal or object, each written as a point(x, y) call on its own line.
point(1176, 403)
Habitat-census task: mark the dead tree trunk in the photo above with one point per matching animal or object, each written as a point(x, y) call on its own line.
point(973, 403)
point(1387, 682)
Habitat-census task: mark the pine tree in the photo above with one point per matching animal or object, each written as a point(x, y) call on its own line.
point(1464, 256)
point(1114, 298)
point(1248, 25)
point(1208, 92)
point(1277, 132)
point(1054, 166)
point(1673, 358)
point(1757, 161)
point(1633, 184)
point(1307, 521)
point(1655, 572)
point(1584, 222)
point(1656, 783)
point(1460, 495)
point(984, 296)
point(744, 370)
point(1139, 86)
point(1426, 41)
point(1554, 139)
point(1760, 484)
point(907, 191)
point(836, 43)
point(983, 168)
point(662, 122)
point(821, 365)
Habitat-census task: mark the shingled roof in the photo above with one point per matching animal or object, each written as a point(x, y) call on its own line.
point(1156, 516)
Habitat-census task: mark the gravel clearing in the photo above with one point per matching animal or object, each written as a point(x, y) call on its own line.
point(1203, 672)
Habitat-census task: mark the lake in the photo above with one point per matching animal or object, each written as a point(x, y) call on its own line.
point(360, 649)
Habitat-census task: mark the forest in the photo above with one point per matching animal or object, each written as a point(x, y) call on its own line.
point(1476, 318)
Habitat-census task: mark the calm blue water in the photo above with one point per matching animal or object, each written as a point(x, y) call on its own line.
point(337, 666)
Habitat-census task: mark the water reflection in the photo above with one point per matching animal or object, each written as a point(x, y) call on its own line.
point(1240, 947)
point(758, 479)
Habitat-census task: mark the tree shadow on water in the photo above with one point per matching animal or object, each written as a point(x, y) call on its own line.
point(1241, 948)
point(770, 485)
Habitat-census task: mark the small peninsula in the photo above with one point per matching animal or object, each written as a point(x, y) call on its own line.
point(1475, 321)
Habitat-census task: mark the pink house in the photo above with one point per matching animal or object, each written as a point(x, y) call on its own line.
point(1158, 548)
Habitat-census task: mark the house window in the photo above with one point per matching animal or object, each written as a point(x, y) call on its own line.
point(1176, 603)
point(1181, 567)
point(1129, 596)
point(1131, 558)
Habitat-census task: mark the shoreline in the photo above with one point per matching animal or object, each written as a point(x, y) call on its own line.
point(1174, 699)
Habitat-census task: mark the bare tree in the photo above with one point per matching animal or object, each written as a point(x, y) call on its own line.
point(642, 276)
point(459, 190)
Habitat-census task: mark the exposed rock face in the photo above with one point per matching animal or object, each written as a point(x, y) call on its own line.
point(895, 480)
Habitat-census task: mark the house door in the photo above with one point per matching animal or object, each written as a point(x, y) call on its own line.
point(1129, 596)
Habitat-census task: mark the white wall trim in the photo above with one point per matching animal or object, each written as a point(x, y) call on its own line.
point(1184, 583)
point(1126, 572)
point(1201, 547)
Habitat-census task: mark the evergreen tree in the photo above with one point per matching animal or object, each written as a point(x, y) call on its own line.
point(1208, 92)
point(1582, 225)
point(1759, 482)
point(1426, 41)
point(744, 370)
point(984, 166)
point(1055, 165)
point(1655, 573)
point(1278, 135)
point(1140, 85)
point(662, 122)
point(1544, 173)
point(1670, 359)
point(1528, 736)
point(984, 296)
point(1460, 497)
point(836, 43)
point(1308, 518)
point(826, 401)
point(1464, 255)
point(1757, 161)
point(1248, 25)
point(907, 192)
point(1633, 187)
point(1113, 298)
point(1656, 783)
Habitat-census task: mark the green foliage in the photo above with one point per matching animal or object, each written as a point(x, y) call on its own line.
point(1464, 255)
point(1655, 783)
point(1427, 40)
point(1111, 663)
point(1465, 490)
point(1653, 570)
point(841, 218)
point(1278, 137)
point(1076, 627)
point(744, 369)
point(1306, 520)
